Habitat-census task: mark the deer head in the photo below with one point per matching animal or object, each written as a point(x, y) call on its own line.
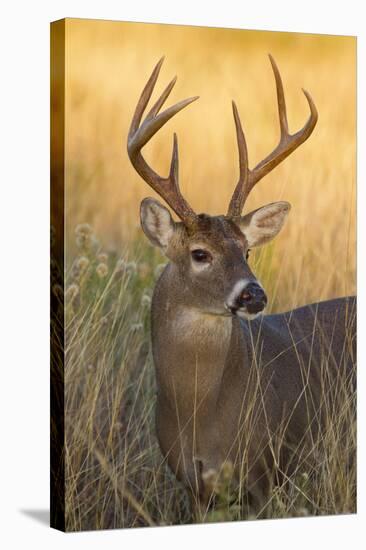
point(210, 253)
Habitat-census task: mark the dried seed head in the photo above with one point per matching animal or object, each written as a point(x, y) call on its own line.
point(131, 268)
point(58, 291)
point(84, 242)
point(71, 292)
point(102, 270)
point(102, 258)
point(83, 229)
point(82, 263)
point(227, 470)
point(145, 301)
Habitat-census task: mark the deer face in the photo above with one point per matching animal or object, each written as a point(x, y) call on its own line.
point(211, 252)
point(212, 258)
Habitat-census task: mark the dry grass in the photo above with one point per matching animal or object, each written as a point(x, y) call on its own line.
point(115, 476)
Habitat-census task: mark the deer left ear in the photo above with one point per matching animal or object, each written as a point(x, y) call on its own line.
point(262, 225)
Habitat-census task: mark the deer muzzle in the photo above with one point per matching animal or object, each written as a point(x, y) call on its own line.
point(250, 300)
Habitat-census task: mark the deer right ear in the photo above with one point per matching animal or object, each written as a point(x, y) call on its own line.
point(156, 222)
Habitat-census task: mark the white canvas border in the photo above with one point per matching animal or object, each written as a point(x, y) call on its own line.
point(24, 222)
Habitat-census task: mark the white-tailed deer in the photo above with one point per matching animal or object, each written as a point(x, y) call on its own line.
point(234, 386)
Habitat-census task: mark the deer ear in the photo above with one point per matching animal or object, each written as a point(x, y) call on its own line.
point(156, 222)
point(262, 225)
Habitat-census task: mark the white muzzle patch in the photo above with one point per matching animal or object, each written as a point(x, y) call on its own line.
point(232, 300)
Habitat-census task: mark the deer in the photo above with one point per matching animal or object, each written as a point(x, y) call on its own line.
point(235, 386)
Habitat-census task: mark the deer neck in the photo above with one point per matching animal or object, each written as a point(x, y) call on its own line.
point(190, 347)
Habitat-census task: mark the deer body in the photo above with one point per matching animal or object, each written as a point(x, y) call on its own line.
point(234, 386)
point(209, 367)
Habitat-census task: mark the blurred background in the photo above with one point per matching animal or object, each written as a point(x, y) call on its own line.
point(108, 64)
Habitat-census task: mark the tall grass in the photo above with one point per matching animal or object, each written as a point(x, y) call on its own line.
point(115, 475)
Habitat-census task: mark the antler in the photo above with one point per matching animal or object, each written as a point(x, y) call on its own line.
point(139, 135)
point(288, 143)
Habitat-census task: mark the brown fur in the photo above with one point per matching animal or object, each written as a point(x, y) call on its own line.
point(230, 390)
point(215, 370)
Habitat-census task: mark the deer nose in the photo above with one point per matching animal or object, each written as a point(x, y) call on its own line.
point(252, 298)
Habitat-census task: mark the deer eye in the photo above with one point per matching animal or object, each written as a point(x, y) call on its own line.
point(247, 254)
point(200, 255)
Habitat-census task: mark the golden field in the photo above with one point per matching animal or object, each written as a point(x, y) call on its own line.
point(114, 471)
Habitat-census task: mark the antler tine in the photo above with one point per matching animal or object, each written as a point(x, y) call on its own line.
point(282, 112)
point(288, 143)
point(139, 135)
point(241, 189)
point(160, 102)
point(144, 98)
